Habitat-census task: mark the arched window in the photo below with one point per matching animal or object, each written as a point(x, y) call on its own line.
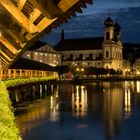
point(107, 35)
point(107, 54)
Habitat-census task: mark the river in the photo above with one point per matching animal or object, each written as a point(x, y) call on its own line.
point(92, 111)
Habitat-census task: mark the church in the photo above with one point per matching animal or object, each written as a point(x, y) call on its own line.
point(100, 52)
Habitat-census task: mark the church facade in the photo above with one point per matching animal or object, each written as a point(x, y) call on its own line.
point(99, 52)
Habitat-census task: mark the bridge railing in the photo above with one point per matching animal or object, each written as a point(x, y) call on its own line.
point(21, 73)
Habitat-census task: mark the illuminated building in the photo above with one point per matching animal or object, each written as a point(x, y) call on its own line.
point(43, 53)
point(136, 66)
point(103, 52)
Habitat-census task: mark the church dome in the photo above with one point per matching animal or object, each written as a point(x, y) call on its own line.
point(117, 26)
point(108, 22)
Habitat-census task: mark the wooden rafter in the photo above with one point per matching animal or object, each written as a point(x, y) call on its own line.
point(23, 22)
point(8, 45)
point(48, 8)
point(18, 16)
point(21, 4)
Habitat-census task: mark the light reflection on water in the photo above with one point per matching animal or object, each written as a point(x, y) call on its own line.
point(93, 111)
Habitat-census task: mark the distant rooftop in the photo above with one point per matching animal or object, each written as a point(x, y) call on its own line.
point(23, 63)
point(80, 44)
point(37, 45)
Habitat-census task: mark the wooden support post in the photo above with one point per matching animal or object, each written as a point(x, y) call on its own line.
point(20, 73)
point(14, 75)
point(9, 73)
point(25, 73)
point(1, 73)
point(35, 73)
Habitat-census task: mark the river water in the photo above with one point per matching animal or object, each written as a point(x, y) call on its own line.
point(93, 111)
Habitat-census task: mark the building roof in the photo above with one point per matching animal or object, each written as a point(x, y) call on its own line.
point(47, 49)
point(37, 45)
point(23, 63)
point(80, 44)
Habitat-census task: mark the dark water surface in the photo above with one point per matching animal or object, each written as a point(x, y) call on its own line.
point(94, 111)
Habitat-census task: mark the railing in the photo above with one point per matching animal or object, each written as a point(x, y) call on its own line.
point(20, 73)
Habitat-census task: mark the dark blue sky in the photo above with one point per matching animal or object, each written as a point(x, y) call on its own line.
point(90, 23)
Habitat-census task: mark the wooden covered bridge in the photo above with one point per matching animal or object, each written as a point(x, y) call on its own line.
point(23, 22)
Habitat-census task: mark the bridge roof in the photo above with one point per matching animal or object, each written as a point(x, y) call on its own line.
point(23, 22)
point(26, 64)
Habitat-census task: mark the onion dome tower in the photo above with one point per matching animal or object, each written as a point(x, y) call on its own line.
point(117, 32)
point(109, 30)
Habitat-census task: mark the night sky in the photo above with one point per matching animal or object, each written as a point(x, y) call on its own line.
point(91, 22)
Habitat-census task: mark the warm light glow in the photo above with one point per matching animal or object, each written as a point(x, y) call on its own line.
point(138, 86)
point(127, 101)
point(138, 72)
point(77, 69)
point(28, 55)
point(36, 53)
point(54, 109)
point(40, 53)
point(79, 101)
point(82, 69)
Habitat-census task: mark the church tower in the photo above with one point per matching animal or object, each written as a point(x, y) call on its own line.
point(112, 46)
point(109, 30)
point(117, 32)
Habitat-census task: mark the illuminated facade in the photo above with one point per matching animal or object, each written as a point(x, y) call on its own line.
point(136, 66)
point(45, 54)
point(103, 52)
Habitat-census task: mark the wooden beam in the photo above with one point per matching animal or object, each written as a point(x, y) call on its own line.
point(4, 64)
point(21, 4)
point(8, 45)
point(35, 15)
point(5, 57)
point(18, 16)
point(47, 7)
point(7, 52)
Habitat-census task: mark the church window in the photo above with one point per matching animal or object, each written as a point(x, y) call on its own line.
point(107, 54)
point(107, 35)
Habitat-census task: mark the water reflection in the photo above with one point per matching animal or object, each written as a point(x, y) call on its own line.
point(79, 101)
point(91, 111)
point(127, 100)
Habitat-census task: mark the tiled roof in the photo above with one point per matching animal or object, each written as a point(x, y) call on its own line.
point(80, 44)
